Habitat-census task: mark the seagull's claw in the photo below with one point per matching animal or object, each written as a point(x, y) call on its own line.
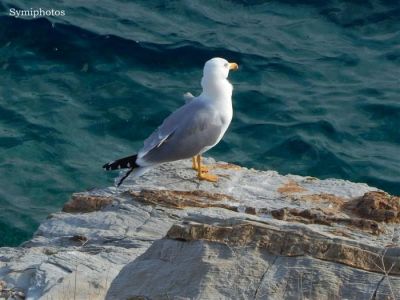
point(208, 177)
point(202, 171)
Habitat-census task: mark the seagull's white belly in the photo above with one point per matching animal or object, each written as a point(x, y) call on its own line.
point(226, 121)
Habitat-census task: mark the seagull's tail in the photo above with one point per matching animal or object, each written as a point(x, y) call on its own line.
point(128, 162)
point(122, 163)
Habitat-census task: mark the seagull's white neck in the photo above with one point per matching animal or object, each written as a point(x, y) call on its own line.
point(218, 89)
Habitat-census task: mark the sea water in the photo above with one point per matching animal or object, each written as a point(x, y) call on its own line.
point(317, 92)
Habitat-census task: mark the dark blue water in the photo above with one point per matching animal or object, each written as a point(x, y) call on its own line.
point(317, 92)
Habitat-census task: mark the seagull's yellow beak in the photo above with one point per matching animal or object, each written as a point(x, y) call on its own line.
point(233, 66)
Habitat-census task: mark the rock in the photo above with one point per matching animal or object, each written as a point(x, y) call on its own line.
point(378, 206)
point(86, 203)
point(290, 187)
point(253, 235)
point(10, 293)
point(318, 216)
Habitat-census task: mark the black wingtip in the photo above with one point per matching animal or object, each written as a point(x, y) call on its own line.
point(122, 163)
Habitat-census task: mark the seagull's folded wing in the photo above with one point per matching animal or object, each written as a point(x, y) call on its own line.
point(185, 133)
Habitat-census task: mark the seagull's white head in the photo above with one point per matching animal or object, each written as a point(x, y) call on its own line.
point(218, 68)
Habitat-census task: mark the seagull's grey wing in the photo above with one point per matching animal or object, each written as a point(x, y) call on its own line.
point(168, 127)
point(188, 97)
point(199, 128)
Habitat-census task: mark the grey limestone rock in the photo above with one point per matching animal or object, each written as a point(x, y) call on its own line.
point(253, 235)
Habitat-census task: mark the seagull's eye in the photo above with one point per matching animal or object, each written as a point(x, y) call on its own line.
point(226, 65)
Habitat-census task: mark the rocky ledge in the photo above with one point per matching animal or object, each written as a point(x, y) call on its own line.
point(253, 235)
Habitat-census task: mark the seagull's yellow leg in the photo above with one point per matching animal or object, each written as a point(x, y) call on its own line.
point(201, 173)
point(195, 165)
point(194, 162)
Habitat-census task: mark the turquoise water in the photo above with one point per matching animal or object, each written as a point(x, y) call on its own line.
point(317, 92)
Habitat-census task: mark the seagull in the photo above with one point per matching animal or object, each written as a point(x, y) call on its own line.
point(189, 131)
